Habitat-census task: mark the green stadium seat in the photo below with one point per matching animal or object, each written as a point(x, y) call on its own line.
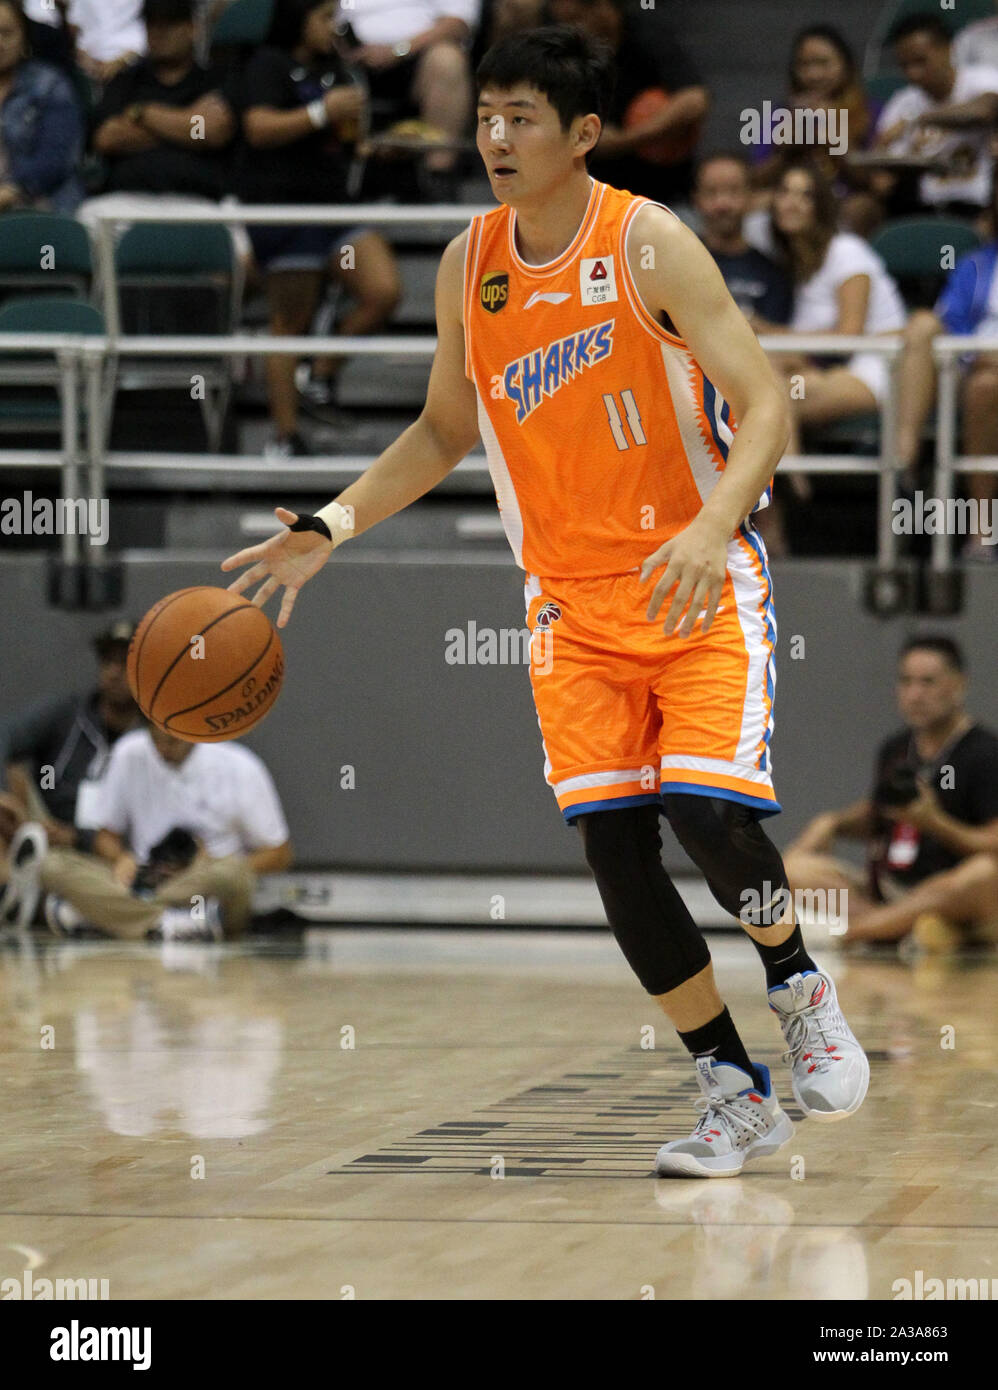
point(67, 269)
point(32, 404)
point(244, 22)
point(912, 246)
point(180, 279)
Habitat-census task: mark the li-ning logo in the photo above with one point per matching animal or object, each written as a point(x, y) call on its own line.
point(527, 380)
point(493, 290)
point(547, 614)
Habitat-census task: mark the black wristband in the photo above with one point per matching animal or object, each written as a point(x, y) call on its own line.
point(312, 523)
point(83, 840)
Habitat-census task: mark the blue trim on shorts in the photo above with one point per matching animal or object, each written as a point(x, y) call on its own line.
point(614, 803)
point(767, 808)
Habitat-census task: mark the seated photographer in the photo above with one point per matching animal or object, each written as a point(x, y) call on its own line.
point(56, 753)
point(930, 825)
point(185, 830)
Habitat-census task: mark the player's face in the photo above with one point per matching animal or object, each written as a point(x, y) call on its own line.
point(170, 749)
point(793, 203)
point(819, 68)
point(522, 144)
point(722, 197)
point(925, 61)
point(929, 691)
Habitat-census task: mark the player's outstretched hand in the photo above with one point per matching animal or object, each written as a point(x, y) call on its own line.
point(289, 558)
point(696, 563)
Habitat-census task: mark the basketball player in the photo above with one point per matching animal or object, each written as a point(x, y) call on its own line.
point(589, 338)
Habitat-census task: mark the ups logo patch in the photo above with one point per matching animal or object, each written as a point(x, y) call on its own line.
point(493, 290)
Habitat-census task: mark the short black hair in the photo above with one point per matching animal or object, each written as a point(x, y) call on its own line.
point(925, 22)
point(288, 22)
point(935, 642)
point(730, 156)
point(572, 69)
point(168, 11)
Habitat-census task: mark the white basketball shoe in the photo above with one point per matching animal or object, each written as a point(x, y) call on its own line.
point(830, 1071)
point(739, 1122)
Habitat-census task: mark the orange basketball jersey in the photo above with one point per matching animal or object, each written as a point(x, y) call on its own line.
point(603, 435)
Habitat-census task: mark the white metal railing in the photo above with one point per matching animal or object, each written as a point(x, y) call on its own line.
point(83, 359)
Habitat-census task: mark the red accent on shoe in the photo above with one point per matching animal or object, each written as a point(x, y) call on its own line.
point(756, 1098)
point(812, 1066)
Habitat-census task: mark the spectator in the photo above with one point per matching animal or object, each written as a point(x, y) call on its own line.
point(823, 77)
point(49, 34)
point(301, 110)
point(840, 286)
point(163, 125)
point(109, 35)
point(976, 45)
point(722, 196)
point(968, 305)
point(930, 824)
point(41, 128)
point(945, 114)
point(185, 828)
point(56, 755)
point(647, 56)
point(504, 17)
point(417, 51)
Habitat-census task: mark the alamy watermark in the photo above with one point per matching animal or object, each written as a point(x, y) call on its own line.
point(28, 1288)
point(932, 1288)
point(804, 125)
point(944, 516)
point(828, 906)
point(472, 645)
point(28, 515)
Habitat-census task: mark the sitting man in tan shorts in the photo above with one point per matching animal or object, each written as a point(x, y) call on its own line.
point(930, 824)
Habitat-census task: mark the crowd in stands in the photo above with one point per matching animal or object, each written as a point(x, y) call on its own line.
point(99, 98)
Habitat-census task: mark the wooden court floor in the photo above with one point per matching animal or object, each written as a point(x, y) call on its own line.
point(451, 1115)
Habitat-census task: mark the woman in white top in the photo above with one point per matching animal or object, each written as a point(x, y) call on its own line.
point(841, 286)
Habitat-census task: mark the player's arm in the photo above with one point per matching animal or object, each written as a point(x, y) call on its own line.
point(680, 278)
point(446, 430)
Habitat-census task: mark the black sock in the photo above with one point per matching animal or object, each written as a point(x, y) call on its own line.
point(789, 958)
point(719, 1039)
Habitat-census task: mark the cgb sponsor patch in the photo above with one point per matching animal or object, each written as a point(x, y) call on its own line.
point(597, 284)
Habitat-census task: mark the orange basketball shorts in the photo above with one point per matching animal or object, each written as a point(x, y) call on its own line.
point(627, 713)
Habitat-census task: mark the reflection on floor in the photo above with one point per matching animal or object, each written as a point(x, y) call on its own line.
point(440, 1114)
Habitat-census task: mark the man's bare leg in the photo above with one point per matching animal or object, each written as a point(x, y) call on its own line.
point(966, 893)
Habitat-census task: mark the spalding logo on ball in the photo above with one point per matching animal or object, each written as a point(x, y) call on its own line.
point(205, 665)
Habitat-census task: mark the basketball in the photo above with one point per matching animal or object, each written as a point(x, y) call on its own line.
point(660, 149)
point(205, 665)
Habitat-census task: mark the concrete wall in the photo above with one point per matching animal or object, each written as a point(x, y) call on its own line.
point(448, 758)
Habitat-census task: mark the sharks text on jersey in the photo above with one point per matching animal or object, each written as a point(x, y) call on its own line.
point(527, 380)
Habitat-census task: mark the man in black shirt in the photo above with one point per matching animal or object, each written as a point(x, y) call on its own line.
point(164, 123)
point(930, 823)
point(722, 195)
point(647, 55)
point(57, 752)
